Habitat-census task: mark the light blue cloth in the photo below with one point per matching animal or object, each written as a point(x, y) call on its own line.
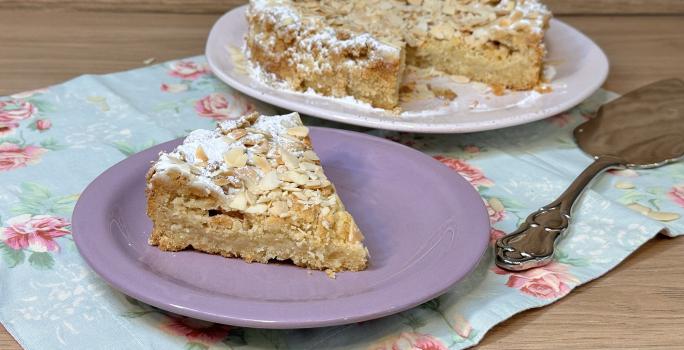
point(56, 141)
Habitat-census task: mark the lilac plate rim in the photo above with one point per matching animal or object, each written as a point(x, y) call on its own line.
point(92, 197)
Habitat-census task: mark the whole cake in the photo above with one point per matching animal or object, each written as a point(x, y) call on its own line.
point(360, 48)
point(253, 188)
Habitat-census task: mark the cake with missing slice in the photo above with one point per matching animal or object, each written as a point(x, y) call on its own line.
point(360, 48)
point(252, 188)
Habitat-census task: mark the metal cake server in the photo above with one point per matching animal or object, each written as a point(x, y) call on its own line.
point(643, 129)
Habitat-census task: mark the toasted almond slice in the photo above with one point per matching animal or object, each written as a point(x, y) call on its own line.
point(239, 202)
point(296, 177)
point(257, 209)
point(269, 182)
point(299, 131)
point(310, 155)
point(261, 162)
point(237, 134)
point(199, 154)
point(291, 162)
point(235, 157)
point(278, 208)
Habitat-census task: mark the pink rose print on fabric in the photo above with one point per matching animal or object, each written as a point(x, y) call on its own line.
point(495, 209)
point(7, 128)
point(560, 120)
point(27, 94)
point(217, 107)
point(187, 70)
point(13, 156)
point(546, 282)
point(409, 341)
point(13, 111)
point(43, 124)
point(195, 331)
point(676, 194)
point(213, 106)
point(173, 88)
point(16, 110)
point(474, 175)
point(494, 235)
point(34, 233)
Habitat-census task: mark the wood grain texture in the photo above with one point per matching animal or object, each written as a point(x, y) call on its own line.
point(559, 7)
point(638, 305)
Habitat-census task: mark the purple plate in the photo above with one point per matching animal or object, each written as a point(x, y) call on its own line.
point(425, 226)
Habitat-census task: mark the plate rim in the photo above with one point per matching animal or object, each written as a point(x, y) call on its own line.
point(409, 126)
point(111, 278)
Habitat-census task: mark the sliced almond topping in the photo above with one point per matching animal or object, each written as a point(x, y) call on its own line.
point(269, 182)
point(310, 155)
point(355, 234)
point(325, 211)
point(257, 209)
point(299, 131)
point(298, 178)
point(278, 208)
point(291, 162)
point(308, 166)
point(237, 134)
point(235, 157)
point(251, 198)
point(239, 202)
point(261, 162)
point(199, 154)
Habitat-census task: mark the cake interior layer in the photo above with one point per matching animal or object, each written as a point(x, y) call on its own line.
point(491, 62)
point(183, 220)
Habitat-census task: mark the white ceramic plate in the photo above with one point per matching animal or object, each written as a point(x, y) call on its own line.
point(580, 69)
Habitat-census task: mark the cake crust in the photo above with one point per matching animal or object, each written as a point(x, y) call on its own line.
point(253, 188)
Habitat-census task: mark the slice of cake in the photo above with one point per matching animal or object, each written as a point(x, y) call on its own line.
point(253, 188)
point(360, 48)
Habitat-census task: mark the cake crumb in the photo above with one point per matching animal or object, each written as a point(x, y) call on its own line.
point(330, 273)
point(442, 93)
point(149, 61)
point(498, 89)
point(543, 89)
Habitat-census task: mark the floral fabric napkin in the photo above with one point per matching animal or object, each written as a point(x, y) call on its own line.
point(55, 141)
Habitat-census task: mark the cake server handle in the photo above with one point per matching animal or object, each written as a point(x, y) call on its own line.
point(532, 244)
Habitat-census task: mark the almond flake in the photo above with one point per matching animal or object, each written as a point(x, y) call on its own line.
point(291, 162)
point(235, 157)
point(261, 162)
point(269, 182)
point(278, 208)
point(237, 134)
point(310, 155)
point(257, 209)
point(199, 154)
point(239, 202)
point(298, 178)
point(299, 131)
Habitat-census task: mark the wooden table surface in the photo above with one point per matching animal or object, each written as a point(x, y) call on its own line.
point(638, 305)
